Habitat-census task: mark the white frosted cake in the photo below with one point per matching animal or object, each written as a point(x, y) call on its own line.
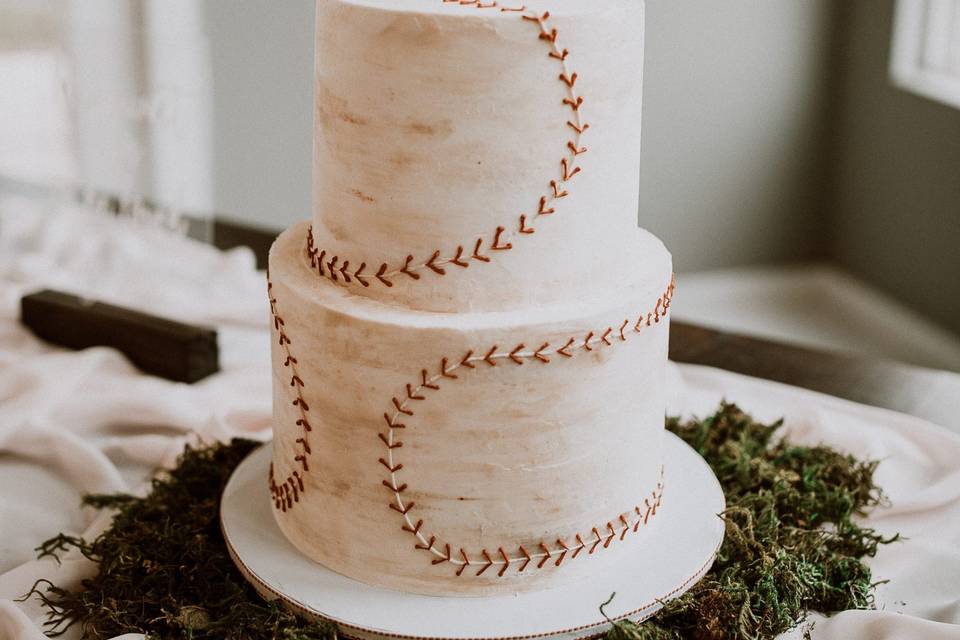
point(470, 335)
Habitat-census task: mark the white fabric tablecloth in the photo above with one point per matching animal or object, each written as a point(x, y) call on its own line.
point(79, 422)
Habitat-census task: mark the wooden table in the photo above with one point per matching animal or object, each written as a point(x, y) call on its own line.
point(925, 393)
point(920, 392)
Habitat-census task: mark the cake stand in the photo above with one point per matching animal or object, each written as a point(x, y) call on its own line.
point(685, 543)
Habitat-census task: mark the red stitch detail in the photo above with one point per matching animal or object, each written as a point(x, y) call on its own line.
point(303, 462)
point(544, 210)
point(563, 555)
point(579, 128)
point(406, 269)
point(487, 565)
point(306, 425)
point(586, 341)
point(412, 395)
point(393, 469)
point(523, 226)
point(606, 335)
point(445, 372)
point(543, 560)
point(343, 271)
point(404, 510)
point(569, 80)
point(506, 562)
point(444, 559)
point(626, 526)
point(613, 534)
point(358, 275)
point(306, 445)
point(332, 268)
point(557, 192)
point(489, 357)
point(526, 562)
point(560, 56)
point(295, 381)
point(429, 544)
point(426, 383)
point(539, 354)
point(465, 362)
point(575, 149)
point(599, 540)
point(513, 354)
point(414, 530)
point(399, 489)
point(580, 546)
point(476, 252)
point(430, 264)
point(392, 423)
point(401, 408)
point(574, 104)
point(456, 259)
point(550, 36)
point(623, 338)
point(320, 259)
point(301, 403)
point(466, 562)
point(564, 351)
point(381, 277)
point(567, 173)
point(496, 241)
point(386, 441)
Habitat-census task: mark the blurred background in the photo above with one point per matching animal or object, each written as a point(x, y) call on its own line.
point(801, 157)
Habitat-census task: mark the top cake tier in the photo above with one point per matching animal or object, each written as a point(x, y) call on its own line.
point(479, 156)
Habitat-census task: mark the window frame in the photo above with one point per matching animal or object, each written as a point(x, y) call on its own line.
point(911, 37)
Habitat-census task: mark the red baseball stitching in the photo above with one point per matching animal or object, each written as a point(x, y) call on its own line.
point(600, 537)
point(346, 273)
point(287, 493)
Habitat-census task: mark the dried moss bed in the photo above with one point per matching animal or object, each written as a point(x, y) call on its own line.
point(791, 547)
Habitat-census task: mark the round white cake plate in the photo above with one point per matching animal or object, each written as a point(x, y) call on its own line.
point(674, 555)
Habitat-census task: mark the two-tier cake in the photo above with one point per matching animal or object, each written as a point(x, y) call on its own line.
point(470, 335)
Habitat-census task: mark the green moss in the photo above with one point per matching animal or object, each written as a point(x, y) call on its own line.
point(792, 546)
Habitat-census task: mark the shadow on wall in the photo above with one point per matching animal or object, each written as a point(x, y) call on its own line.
point(895, 197)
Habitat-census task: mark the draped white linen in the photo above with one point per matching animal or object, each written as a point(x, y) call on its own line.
point(78, 422)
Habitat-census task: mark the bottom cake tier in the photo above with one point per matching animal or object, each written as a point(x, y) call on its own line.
point(466, 454)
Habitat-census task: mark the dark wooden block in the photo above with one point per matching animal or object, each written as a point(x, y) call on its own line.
point(158, 346)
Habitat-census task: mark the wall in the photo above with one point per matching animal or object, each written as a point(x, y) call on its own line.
point(735, 93)
point(733, 96)
point(896, 188)
point(262, 53)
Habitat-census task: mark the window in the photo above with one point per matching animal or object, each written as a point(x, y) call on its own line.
point(926, 49)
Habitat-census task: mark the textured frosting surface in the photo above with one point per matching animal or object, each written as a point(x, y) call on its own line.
point(555, 439)
point(439, 123)
point(470, 334)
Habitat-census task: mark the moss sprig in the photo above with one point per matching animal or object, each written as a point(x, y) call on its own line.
point(793, 545)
